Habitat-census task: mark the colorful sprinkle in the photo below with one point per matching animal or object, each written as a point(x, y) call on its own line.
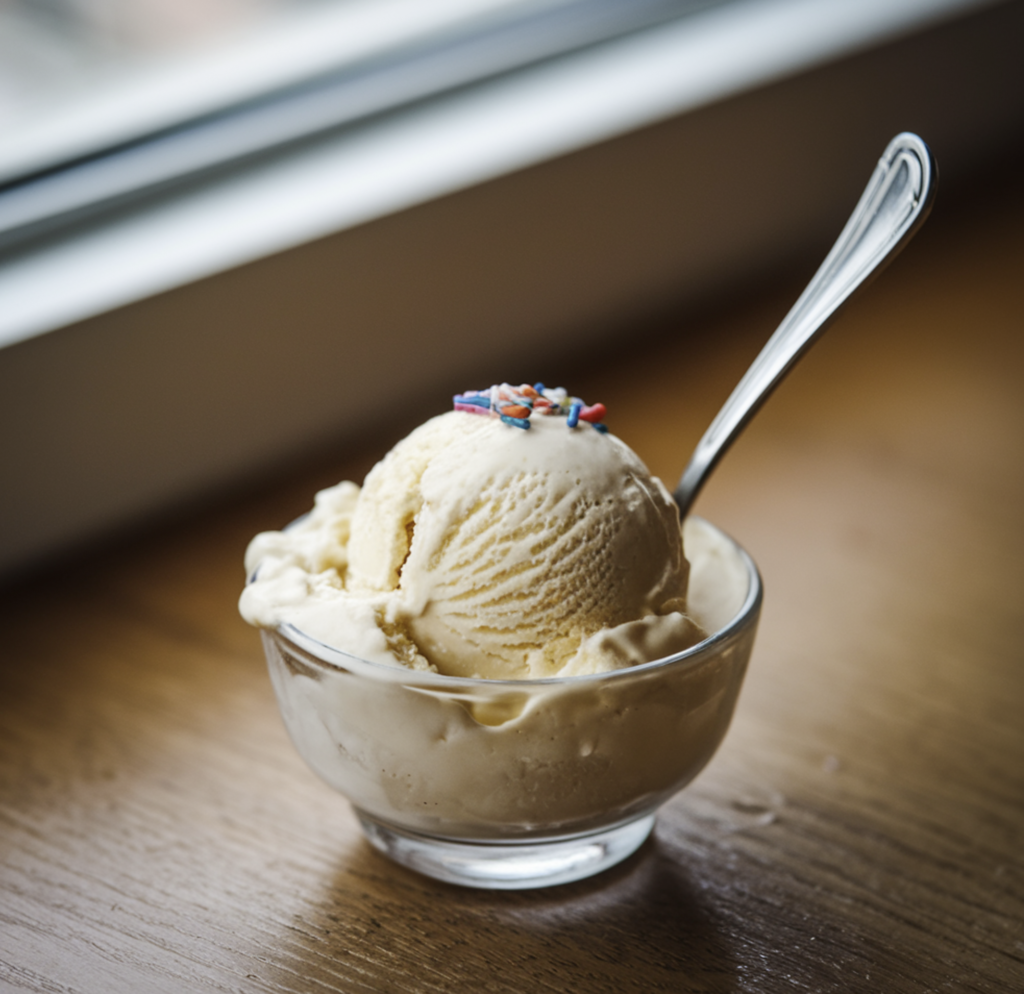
point(518, 422)
point(474, 405)
point(516, 405)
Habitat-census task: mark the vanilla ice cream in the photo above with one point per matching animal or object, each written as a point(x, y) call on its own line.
point(515, 760)
point(554, 666)
point(488, 546)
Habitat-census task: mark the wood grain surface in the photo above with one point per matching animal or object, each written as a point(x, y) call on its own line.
point(861, 829)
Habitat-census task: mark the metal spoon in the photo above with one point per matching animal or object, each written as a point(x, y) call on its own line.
point(894, 205)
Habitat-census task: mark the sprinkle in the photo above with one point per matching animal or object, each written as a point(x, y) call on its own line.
point(515, 405)
point(518, 422)
point(472, 409)
point(471, 399)
point(603, 429)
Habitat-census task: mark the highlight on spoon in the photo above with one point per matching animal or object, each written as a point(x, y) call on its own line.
point(892, 208)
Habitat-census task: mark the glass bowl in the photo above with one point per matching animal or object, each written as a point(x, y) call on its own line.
point(522, 783)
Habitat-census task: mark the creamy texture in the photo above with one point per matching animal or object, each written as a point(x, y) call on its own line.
point(476, 548)
point(490, 759)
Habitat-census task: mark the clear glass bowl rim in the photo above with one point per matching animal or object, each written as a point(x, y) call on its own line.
point(337, 660)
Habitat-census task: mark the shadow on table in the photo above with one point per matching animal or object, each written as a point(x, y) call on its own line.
point(644, 925)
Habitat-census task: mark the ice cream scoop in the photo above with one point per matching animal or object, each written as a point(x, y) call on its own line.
point(490, 544)
point(508, 549)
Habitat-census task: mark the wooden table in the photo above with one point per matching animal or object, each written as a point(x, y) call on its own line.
point(861, 829)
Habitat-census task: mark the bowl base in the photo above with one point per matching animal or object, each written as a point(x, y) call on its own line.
point(508, 866)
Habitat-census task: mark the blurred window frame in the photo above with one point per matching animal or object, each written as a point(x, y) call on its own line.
point(236, 156)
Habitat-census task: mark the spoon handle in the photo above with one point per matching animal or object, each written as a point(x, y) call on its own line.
point(895, 203)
